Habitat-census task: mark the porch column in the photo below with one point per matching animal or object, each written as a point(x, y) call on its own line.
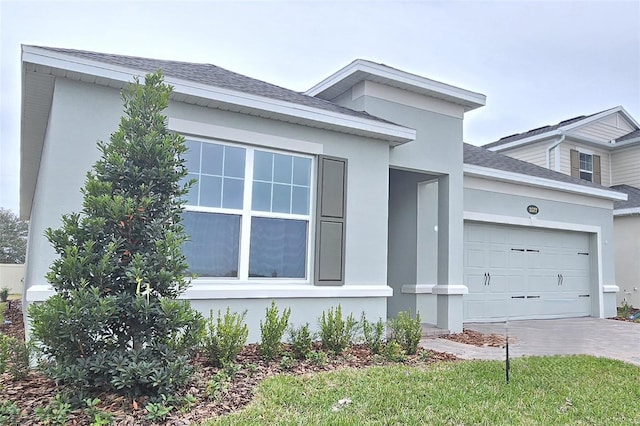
point(450, 287)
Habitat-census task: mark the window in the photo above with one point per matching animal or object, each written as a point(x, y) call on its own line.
point(248, 214)
point(586, 166)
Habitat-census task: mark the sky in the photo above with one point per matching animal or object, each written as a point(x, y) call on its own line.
point(538, 62)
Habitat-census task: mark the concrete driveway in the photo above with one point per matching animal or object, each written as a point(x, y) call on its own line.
point(571, 336)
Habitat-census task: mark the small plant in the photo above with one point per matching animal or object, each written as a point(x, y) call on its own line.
point(373, 333)
point(393, 352)
point(231, 370)
point(407, 331)
point(9, 413)
point(624, 311)
point(301, 340)
point(56, 413)
point(4, 294)
point(99, 417)
point(188, 402)
point(318, 358)
point(217, 386)
point(426, 355)
point(252, 368)
point(159, 410)
point(5, 349)
point(19, 358)
point(272, 331)
point(287, 363)
point(337, 333)
point(225, 337)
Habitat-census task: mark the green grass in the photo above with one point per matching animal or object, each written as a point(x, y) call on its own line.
point(575, 390)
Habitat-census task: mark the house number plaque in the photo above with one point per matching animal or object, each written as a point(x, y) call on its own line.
point(531, 209)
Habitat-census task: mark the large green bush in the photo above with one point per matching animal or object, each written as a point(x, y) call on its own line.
point(114, 322)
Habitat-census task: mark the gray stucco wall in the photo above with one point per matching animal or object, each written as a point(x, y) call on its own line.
point(82, 114)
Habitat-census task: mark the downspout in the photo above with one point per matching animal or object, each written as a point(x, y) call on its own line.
point(553, 145)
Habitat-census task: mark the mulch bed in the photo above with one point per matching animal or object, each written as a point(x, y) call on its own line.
point(476, 338)
point(626, 318)
point(37, 391)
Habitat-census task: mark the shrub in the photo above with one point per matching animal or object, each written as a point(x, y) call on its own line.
point(407, 331)
point(19, 358)
point(337, 333)
point(226, 335)
point(272, 331)
point(56, 413)
point(4, 294)
point(115, 322)
point(393, 352)
point(9, 413)
point(301, 340)
point(373, 333)
point(318, 358)
point(287, 363)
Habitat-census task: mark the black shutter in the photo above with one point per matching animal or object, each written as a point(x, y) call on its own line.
point(331, 213)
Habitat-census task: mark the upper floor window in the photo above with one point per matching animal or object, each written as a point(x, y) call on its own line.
point(586, 166)
point(248, 215)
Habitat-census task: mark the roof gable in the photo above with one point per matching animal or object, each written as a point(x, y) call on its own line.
point(600, 128)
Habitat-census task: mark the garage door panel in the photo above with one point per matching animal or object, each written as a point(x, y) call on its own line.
point(526, 263)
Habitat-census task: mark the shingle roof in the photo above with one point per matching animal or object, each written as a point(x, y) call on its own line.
point(538, 131)
point(632, 135)
point(213, 75)
point(480, 156)
point(633, 194)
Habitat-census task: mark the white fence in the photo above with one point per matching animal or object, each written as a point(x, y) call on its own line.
point(12, 277)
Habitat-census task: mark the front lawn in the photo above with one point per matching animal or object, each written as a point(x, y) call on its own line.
point(576, 390)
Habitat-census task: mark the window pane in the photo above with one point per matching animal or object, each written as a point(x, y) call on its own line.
point(212, 159)
point(278, 248)
point(215, 239)
point(282, 166)
point(300, 200)
point(192, 156)
point(210, 191)
point(302, 171)
point(234, 161)
point(586, 162)
point(281, 199)
point(233, 192)
point(261, 200)
point(263, 166)
point(192, 196)
point(586, 176)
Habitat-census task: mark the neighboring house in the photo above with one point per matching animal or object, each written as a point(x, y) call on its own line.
point(603, 148)
point(359, 191)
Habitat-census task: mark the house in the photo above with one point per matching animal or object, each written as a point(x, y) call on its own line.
point(603, 148)
point(359, 191)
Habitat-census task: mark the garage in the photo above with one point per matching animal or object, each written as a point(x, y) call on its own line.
point(518, 272)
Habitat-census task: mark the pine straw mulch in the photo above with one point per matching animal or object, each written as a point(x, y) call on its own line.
point(38, 391)
point(475, 338)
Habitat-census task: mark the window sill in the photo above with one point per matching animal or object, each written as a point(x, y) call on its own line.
point(199, 291)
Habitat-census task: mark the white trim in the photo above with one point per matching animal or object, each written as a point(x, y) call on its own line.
point(39, 293)
point(196, 128)
point(498, 148)
point(501, 175)
point(374, 128)
point(610, 288)
point(537, 223)
point(450, 289)
point(391, 76)
point(417, 288)
point(627, 212)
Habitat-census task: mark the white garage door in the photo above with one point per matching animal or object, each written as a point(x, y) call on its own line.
point(524, 273)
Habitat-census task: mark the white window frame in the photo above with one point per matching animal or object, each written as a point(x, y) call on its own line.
point(580, 153)
point(246, 214)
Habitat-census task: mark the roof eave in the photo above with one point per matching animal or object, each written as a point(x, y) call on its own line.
point(468, 99)
point(522, 179)
point(632, 211)
point(393, 133)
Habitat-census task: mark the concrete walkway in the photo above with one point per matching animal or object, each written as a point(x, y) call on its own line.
point(571, 336)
